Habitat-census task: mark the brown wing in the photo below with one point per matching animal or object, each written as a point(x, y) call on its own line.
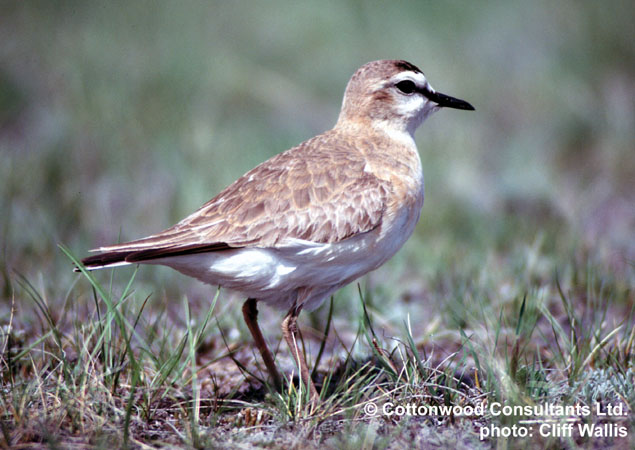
point(317, 191)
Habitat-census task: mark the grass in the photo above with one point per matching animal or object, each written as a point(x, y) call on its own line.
point(516, 288)
point(115, 378)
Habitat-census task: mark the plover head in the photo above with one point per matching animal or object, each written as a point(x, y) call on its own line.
point(393, 95)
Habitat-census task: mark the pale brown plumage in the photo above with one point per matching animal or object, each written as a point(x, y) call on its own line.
point(313, 218)
point(317, 191)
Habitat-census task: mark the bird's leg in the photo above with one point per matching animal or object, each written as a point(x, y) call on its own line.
point(289, 331)
point(250, 313)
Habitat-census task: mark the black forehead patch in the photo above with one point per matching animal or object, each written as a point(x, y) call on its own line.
point(405, 65)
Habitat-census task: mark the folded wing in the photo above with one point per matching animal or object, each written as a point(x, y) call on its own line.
point(318, 191)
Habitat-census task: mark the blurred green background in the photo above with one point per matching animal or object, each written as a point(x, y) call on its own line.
point(119, 118)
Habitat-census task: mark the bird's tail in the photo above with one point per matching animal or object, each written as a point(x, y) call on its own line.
point(103, 260)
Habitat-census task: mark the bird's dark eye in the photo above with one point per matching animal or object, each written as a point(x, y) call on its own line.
point(406, 86)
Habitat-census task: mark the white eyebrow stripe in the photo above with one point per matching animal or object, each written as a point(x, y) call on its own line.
point(417, 77)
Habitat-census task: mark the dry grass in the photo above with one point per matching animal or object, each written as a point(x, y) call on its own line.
point(114, 378)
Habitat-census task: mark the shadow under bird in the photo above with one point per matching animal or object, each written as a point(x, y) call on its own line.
point(311, 219)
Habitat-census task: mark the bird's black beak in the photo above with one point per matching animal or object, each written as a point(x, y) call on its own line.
point(446, 101)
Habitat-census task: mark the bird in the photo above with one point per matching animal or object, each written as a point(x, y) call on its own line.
point(314, 218)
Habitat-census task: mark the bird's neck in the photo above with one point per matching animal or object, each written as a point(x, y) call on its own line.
point(380, 129)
